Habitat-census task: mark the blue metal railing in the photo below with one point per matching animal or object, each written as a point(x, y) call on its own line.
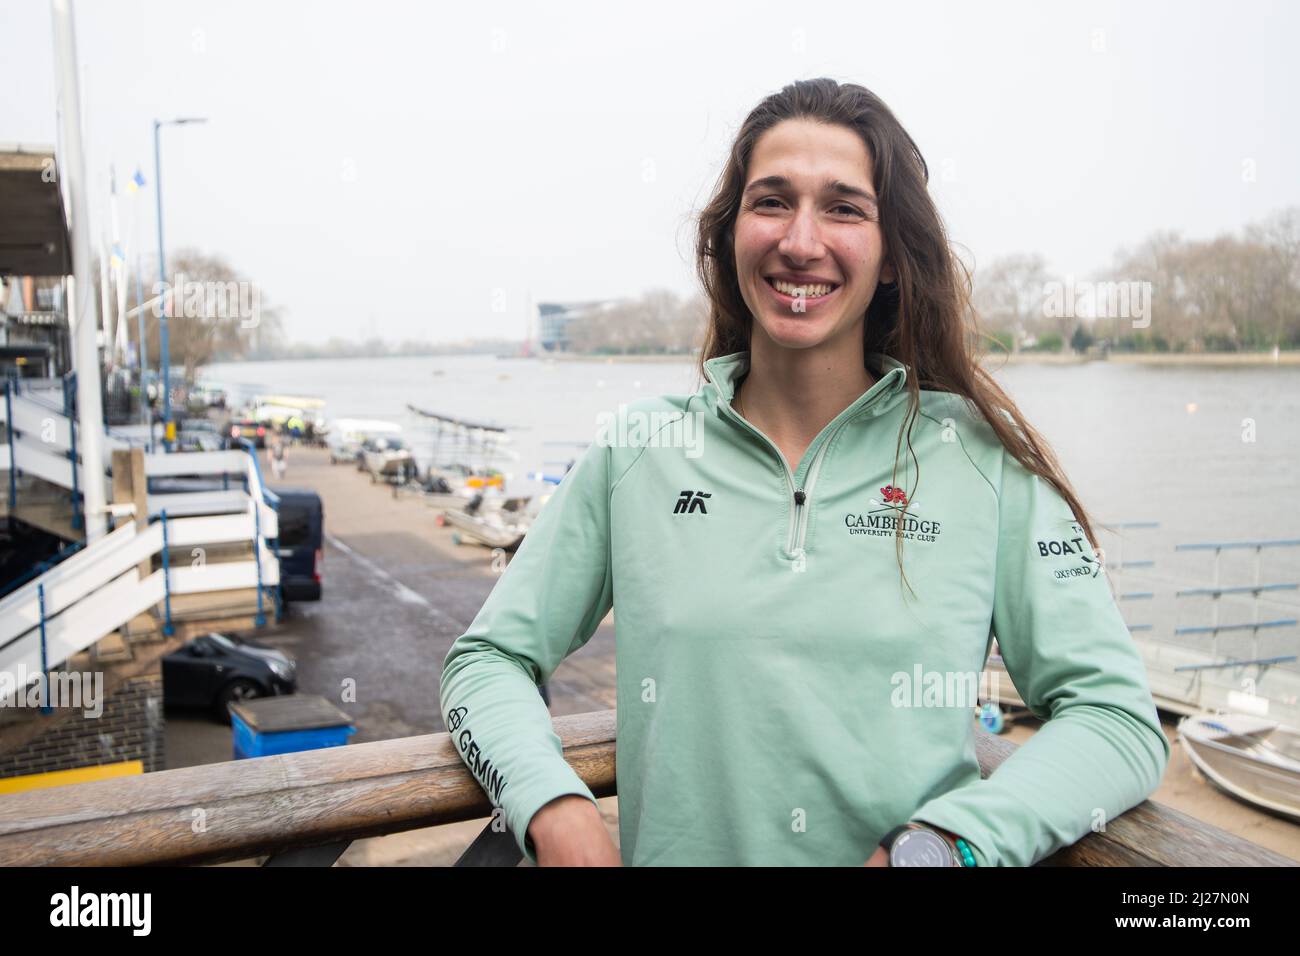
point(69, 410)
point(1219, 665)
point(273, 500)
point(1233, 545)
point(1255, 626)
point(46, 707)
point(10, 387)
point(1216, 591)
point(1120, 565)
point(1239, 589)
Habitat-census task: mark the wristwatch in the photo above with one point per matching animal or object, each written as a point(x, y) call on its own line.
point(915, 844)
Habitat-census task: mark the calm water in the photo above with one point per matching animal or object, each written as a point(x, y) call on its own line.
point(1139, 443)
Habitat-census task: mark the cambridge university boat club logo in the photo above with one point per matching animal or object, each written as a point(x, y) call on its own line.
point(885, 516)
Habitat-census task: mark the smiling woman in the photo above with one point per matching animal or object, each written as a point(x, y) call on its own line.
point(762, 630)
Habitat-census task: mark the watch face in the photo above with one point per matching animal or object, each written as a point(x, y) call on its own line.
point(920, 848)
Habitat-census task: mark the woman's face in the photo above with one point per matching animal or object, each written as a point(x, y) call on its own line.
point(808, 222)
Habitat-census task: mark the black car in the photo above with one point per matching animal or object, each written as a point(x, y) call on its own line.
point(302, 528)
point(215, 670)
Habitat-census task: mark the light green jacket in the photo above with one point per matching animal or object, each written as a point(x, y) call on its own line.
point(783, 698)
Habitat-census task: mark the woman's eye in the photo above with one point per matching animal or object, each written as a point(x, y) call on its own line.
point(840, 208)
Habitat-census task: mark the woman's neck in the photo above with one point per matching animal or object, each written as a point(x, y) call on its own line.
point(795, 393)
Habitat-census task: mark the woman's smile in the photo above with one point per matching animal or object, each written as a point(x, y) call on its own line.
point(806, 296)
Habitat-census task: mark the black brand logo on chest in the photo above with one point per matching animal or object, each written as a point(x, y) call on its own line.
point(691, 502)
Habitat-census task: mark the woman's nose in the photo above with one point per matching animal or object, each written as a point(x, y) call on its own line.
point(802, 239)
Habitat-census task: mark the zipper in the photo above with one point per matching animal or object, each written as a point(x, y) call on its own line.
point(797, 527)
point(798, 496)
point(798, 524)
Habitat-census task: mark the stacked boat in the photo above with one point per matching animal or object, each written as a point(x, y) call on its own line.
point(502, 523)
point(1249, 757)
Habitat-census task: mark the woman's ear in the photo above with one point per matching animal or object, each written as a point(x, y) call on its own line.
point(887, 275)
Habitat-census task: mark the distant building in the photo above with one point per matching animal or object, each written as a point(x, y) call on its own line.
point(34, 263)
point(555, 320)
point(34, 340)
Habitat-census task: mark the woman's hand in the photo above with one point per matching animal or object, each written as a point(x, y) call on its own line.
point(569, 831)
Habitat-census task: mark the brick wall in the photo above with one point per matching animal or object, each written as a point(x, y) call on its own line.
point(131, 727)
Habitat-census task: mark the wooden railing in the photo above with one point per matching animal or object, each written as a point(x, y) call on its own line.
point(306, 808)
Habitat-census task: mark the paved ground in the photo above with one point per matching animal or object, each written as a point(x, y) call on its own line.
point(398, 592)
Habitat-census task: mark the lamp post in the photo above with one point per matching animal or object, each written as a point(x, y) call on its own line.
point(163, 345)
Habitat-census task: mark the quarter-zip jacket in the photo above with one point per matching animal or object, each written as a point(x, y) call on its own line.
point(782, 697)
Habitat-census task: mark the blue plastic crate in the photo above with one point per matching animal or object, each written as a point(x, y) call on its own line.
point(250, 743)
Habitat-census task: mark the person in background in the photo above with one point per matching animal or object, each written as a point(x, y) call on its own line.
point(277, 453)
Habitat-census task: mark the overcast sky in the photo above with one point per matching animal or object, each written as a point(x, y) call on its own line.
point(416, 170)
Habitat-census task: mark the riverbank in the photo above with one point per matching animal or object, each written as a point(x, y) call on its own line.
point(1208, 359)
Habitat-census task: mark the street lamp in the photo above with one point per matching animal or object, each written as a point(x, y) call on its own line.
point(165, 351)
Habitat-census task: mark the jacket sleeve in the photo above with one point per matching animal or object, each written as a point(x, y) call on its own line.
point(547, 604)
point(1071, 657)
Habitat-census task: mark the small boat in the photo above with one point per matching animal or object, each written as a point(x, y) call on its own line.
point(1252, 758)
point(502, 525)
point(454, 486)
point(345, 436)
point(388, 459)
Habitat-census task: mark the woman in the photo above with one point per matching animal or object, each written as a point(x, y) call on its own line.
point(791, 688)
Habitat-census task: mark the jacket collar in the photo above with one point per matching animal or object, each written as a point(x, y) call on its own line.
point(724, 371)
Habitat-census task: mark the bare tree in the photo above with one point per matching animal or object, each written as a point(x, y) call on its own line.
point(1010, 292)
point(213, 311)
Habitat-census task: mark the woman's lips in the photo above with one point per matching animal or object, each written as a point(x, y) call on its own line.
point(807, 303)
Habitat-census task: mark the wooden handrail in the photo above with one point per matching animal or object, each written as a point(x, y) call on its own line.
point(267, 805)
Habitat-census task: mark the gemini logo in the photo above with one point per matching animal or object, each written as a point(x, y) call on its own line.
point(488, 776)
point(454, 717)
point(691, 502)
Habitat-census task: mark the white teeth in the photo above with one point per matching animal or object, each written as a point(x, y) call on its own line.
point(810, 291)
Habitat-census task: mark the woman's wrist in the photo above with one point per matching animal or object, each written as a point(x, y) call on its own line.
point(960, 847)
point(570, 831)
point(951, 838)
point(561, 815)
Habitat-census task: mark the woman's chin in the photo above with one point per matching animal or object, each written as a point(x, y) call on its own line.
point(795, 333)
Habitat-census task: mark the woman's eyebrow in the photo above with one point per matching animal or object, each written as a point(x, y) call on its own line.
point(836, 186)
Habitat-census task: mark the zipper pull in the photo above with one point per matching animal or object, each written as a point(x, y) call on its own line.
point(799, 497)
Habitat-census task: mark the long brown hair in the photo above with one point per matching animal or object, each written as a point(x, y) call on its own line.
point(924, 318)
